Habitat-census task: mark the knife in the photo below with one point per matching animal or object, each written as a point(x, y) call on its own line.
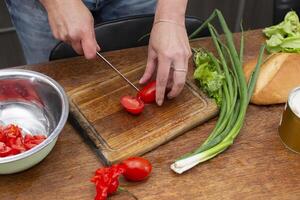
point(118, 72)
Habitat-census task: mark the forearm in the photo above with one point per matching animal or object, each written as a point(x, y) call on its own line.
point(173, 10)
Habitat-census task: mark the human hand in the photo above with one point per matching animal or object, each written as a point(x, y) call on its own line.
point(168, 53)
point(72, 22)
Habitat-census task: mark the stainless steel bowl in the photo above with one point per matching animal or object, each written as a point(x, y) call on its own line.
point(38, 105)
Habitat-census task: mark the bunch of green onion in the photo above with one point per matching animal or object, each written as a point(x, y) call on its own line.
point(235, 92)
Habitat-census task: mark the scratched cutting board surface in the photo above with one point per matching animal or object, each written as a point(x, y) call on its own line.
point(117, 134)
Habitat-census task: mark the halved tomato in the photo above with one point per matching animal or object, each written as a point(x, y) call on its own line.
point(133, 105)
point(147, 93)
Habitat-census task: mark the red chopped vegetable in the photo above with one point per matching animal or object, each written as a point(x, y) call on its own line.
point(132, 104)
point(147, 94)
point(107, 180)
point(135, 105)
point(12, 141)
point(12, 131)
point(4, 150)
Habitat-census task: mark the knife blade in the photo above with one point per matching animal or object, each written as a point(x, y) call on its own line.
point(118, 72)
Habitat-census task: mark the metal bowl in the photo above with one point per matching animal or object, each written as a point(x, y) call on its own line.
point(38, 105)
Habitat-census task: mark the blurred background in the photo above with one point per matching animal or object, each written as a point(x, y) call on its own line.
point(253, 13)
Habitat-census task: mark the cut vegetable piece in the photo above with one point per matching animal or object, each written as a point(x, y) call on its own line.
point(13, 143)
point(147, 93)
point(133, 105)
point(4, 150)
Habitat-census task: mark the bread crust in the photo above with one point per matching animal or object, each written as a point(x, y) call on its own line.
point(279, 74)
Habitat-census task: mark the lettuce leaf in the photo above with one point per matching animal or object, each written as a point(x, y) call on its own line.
point(207, 75)
point(285, 36)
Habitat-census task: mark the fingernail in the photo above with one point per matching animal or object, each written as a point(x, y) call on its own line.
point(159, 102)
point(141, 81)
point(170, 96)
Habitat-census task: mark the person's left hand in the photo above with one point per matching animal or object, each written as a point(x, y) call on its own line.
point(168, 54)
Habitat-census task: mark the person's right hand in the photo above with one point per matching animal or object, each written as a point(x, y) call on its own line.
point(73, 23)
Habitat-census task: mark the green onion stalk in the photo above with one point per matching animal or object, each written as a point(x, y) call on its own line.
point(236, 94)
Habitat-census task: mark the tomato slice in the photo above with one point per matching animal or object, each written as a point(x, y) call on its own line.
point(12, 141)
point(4, 150)
point(18, 146)
point(29, 145)
point(32, 141)
point(28, 138)
point(133, 105)
point(147, 93)
point(39, 137)
point(2, 136)
point(12, 131)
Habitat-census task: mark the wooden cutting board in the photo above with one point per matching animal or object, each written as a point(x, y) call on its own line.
point(117, 134)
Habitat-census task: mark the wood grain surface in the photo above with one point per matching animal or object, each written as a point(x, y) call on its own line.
point(256, 166)
point(117, 134)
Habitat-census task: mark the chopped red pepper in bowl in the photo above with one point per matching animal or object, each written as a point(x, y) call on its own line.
point(12, 141)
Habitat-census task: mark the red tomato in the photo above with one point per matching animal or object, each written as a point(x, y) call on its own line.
point(27, 138)
point(18, 146)
point(113, 187)
point(147, 94)
point(12, 141)
point(12, 131)
point(36, 139)
point(137, 168)
point(32, 141)
point(4, 150)
point(132, 104)
point(2, 136)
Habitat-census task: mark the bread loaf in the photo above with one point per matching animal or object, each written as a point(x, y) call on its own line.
point(279, 74)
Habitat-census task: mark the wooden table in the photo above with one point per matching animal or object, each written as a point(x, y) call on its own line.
point(257, 166)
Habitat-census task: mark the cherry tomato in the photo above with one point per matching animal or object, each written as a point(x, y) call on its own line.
point(147, 93)
point(132, 104)
point(136, 168)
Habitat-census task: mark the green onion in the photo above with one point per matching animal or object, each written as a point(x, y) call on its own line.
point(236, 95)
